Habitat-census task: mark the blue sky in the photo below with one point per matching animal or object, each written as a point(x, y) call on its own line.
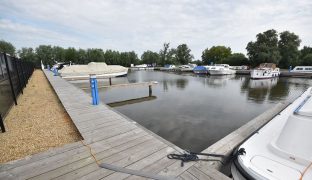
point(141, 25)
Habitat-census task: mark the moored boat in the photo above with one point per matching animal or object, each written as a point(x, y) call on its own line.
point(200, 70)
point(168, 67)
point(221, 69)
point(265, 71)
point(188, 67)
point(282, 149)
point(302, 69)
point(101, 70)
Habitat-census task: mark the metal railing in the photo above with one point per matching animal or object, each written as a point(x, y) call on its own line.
point(14, 75)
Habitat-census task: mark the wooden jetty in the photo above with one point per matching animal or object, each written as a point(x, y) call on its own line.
point(111, 138)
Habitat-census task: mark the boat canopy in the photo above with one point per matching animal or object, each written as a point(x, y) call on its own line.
point(200, 68)
point(267, 65)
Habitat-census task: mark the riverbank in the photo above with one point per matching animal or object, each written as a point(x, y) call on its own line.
point(38, 123)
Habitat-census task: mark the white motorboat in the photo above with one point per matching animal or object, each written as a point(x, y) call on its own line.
point(142, 67)
point(168, 67)
point(188, 67)
point(221, 69)
point(302, 69)
point(265, 71)
point(101, 70)
point(282, 149)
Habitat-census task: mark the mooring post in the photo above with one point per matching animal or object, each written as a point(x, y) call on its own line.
point(2, 124)
point(150, 90)
point(94, 90)
point(110, 81)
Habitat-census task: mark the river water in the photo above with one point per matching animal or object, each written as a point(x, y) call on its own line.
point(193, 112)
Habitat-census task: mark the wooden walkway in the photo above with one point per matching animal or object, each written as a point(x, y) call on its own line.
point(113, 138)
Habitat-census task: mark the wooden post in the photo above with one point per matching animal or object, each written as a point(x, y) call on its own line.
point(110, 81)
point(150, 90)
point(10, 78)
point(2, 124)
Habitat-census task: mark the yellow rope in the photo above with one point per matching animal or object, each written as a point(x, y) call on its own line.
point(90, 150)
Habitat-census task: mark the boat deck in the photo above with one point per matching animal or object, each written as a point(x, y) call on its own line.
point(113, 139)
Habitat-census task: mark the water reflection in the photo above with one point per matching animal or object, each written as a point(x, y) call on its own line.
point(218, 81)
point(193, 111)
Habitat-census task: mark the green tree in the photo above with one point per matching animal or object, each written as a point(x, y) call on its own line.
point(183, 54)
point(58, 53)
point(216, 54)
point(264, 49)
point(307, 60)
point(71, 55)
point(132, 58)
point(45, 54)
point(171, 57)
point(7, 47)
point(237, 59)
point(95, 55)
point(164, 54)
point(150, 57)
point(288, 47)
point(305, 51)
point(112, 57)
point(28, 54)
point(82, 57)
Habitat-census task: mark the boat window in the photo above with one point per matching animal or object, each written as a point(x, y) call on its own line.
point(309, 69)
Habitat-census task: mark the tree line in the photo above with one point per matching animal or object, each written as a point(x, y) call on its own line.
point(270, 46)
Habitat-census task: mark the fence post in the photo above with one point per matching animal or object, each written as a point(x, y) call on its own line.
point(2, 124)
point(10, 79)
point(18, 77)
point(94, 90)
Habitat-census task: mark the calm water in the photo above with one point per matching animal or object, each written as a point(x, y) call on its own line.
point(192, 111)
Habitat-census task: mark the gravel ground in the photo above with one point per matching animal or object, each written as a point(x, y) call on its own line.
point(37, 123)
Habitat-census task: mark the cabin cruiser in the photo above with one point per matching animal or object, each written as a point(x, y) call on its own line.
point(168, 67)
point(302, 69)
point(200, 70)
point(282, 149)
point(264, 71)
point(188, 67)
point(99, 69)
point(142, 67)
point(221, 69)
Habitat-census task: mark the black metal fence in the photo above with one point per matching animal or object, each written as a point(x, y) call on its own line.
point(14, 75)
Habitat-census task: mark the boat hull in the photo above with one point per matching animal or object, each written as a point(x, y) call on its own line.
point(221, 72)
point(264, 74)
point(86, 76)
point(200, 72)
point(282, 148)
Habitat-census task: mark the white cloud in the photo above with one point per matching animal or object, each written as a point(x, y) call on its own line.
point(145, 24)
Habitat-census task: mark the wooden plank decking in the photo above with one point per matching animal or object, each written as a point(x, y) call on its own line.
point(113, 138)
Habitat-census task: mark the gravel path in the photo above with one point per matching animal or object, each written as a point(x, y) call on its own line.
point(37, 123)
